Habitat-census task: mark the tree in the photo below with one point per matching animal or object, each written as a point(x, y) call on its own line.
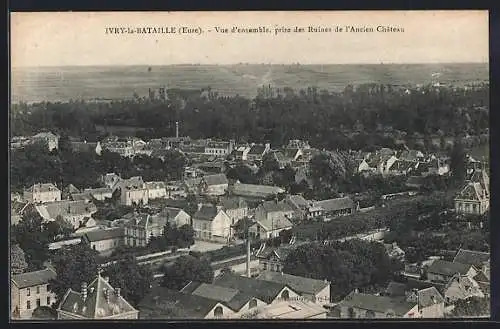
point(44, 313)
point(74, 265)
point(185, 236)
point(134, 280)
point(29, 233)
point(192, 204)
point(17, 260)
point(458, 162)
point(472, 306)
point(186, 269)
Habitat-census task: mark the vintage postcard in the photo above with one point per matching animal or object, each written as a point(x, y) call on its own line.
point(249, 165)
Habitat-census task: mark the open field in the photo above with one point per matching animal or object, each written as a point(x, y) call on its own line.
point(65, 83)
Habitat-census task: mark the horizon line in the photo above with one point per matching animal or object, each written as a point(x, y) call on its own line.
point(245, 63)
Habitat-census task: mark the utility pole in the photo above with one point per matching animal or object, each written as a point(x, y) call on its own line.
point(249, 224)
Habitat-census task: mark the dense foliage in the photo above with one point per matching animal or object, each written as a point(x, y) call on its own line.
point(186, 269)
point(347, 265)
point(173, 237)
point(35, 164)
point(133, 280)
point(471, 307)
point(74, 265)
point(18, 262)
point(326, 119)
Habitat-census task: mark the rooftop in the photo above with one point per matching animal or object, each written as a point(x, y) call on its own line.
point(335, 204)
point(448, 268)
point(258, 191)
point(206, 212)
point(476, 258)
point(297, 283)
point(218, 179)
point(35, 278)
point(106, 234)
point(379, 304)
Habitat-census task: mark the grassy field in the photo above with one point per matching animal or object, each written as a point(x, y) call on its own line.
point(64, 83)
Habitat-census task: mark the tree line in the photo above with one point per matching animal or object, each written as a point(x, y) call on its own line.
point(366, 116)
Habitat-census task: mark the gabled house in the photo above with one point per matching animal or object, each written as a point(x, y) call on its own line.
point(240, 153)
point(462, 287)
point(266, 291)
point(336, 207)
point(429, 299)
point(31, 290)
point(97, 301)
point(270, 227)
point(402, 167)
point(69, 190)
point(474, 197)
point(443, 271)
point(255, 192)
point(273, 259)
point(139, 228)
point(133, 191)
point(41, 193)
point(236, 208)
point(301, 206)
point(480, 260)
point(212, 223)
point(270, 211)
point(73, 212)
point(366, 306)
point(240, 302)
point(163, 303)
point(176, 216)
point(104, 241)
point(214, 185)
point(156, 190)
point(317, 291)
point(257, 152)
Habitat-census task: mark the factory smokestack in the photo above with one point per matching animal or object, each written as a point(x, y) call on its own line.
point(176, 129)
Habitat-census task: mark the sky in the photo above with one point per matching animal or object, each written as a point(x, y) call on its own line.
point(75, 39)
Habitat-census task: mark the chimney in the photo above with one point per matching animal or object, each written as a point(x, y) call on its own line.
point(106, 295)
point(176, 129)
point(200, 205)
point(84, 290)
point(118, 292)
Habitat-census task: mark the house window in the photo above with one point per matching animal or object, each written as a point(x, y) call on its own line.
point(28, 305)
point(218, 312)
point(38, 302)
point(285, 295)
point(252, 303)
point(28, 292)
point(38, 290)
point(48, 301)
point(93, 247)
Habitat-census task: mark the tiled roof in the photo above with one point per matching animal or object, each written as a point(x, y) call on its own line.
point(257, 150)
point(31, 279)
point(270, 224)
point(472, 191)
point(66, 208)
point(106, 234)
point(379, 304)
point(476, 258)
point(263, 290)
point(298, 201)
point(257, 191)
point(299, 284)
point(45, 135)
point(448, 268)
point(206, 212)
point(42, 188)
point(429, 296)
point(218, 179)
point(102, 301)
point(335, 204)
point(81, 196)
point(273, 206)
point(163, 303)
point(211, 291)
point(71, 189)
point(229, 203)
point(100, 190)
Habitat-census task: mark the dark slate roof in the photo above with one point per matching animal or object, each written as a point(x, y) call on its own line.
point(163, 303)
point(81, 196)
point(71, 189)
point(382, 304)
point(96, 305)
point(233, 203)
point(476, 258)
point(263, 290)
point(448, 268)
point(298, 201)
point(106, 234)
point(66, 208)
point(273, 206)
point(35, 278)
point(270, 224)
point(257, 150)
point(212, 291)
point(297, 283)
point(218, 179)
point(170, 212)
point(100, 190)
point(206, 212)
point(400, 288)
point(335, 204)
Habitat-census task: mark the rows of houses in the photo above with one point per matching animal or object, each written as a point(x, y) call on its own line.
point(49, 139)
point(429, 296)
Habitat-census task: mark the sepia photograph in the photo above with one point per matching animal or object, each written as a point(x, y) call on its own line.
point(249, 165)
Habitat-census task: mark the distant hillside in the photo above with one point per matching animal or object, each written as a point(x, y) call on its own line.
point(61, 84)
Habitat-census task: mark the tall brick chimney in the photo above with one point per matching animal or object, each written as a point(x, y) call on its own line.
point(84, 290)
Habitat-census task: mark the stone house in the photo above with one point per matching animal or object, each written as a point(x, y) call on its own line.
point(442, 271)
point(474, 197)
point(104, 241)
point(214, 185)
point(41, 193)
point(212, 223)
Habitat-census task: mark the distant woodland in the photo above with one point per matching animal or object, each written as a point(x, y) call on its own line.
point(362, 117)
